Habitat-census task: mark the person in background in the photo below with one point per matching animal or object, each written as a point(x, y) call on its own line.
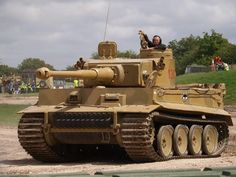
point(33, 86)
point(219, 63)
point(76, 83)
point(226, 66)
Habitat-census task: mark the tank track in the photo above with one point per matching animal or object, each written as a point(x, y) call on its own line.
point(138, 139)
point(31, 138)
point(140, 144)
point(137, 133)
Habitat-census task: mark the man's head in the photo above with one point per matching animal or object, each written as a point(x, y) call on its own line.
point(156, 40)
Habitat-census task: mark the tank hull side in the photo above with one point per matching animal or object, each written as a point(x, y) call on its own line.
point(207, 101)
point(212, 98)
point(204, 112)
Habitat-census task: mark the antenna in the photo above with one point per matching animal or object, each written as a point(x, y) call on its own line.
point(108, 9)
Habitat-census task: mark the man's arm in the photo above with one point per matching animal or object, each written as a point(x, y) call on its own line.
point(150, 44)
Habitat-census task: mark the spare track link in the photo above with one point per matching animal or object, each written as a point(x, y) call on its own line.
point(31, 138)
point(140, 146)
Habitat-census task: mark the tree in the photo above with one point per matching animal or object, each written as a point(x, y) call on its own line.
point(95, 55)
point(201, 50)
point(6, 70)
point(33, 64)
point(228, 53)
point(127, 54)
point(209, 44)
point(124, 54)
point(70, 68)
point(184, 52)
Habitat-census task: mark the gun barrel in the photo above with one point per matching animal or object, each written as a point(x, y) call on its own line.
point(105, 74)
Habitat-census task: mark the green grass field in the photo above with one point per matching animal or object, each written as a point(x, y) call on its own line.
point(227, 77)
point(8, 116)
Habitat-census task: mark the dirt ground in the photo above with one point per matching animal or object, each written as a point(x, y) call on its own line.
point(14, 160)
point(18, 100)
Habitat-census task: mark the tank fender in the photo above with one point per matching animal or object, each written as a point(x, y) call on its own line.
point(122, 109)
point(36, 109)
point(137, 108)
point(197, 109)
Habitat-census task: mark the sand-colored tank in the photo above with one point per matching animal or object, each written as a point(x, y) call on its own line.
point(131, 104)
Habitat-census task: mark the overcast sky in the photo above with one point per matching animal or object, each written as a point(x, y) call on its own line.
point(61, 31)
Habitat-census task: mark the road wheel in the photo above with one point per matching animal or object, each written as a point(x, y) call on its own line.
point(210, 139)
point(181, 140)
point(164, 141)
point(195, 140)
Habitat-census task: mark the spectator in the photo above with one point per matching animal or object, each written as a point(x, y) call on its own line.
point(219, 65)
point(76, 83)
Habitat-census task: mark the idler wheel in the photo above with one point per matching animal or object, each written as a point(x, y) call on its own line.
point(195, 140)
point(164, 141)
point(181, 140)
point(210, 139)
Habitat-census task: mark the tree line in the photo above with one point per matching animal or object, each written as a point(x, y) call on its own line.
point(201, 50)
point(26, 64)
point(186, 51)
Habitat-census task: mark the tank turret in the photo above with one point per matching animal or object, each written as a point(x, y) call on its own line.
point(155, 68)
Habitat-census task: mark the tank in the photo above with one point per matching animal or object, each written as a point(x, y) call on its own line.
point(132, 105)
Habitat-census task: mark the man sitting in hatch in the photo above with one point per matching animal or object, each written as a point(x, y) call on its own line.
point(155, 43)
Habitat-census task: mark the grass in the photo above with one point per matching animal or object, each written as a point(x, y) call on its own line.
point(8, 116)
point(227, 77)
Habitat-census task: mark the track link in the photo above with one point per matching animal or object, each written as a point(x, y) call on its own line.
point(31, 138)
point(138, 137)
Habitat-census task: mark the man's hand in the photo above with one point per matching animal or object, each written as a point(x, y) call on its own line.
point(143, 42)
